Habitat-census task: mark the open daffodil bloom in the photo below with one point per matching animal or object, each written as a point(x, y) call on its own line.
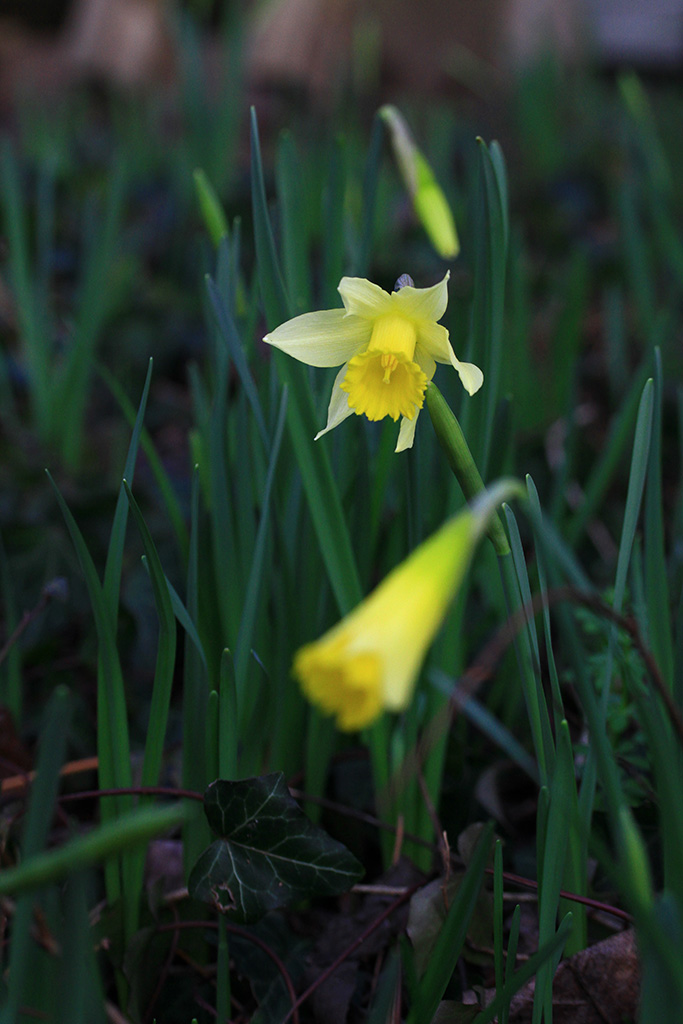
point(370, 660)
point(389, 345)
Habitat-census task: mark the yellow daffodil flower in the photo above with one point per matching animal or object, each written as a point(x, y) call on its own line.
point(389, 344)
point(370, 660)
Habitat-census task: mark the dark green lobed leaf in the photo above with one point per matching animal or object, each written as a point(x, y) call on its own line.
point(268, 854)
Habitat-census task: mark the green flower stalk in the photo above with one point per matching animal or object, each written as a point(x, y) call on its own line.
point(455, 447)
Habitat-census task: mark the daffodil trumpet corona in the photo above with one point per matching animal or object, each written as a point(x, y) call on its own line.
point(388, 345)
point(370, 661)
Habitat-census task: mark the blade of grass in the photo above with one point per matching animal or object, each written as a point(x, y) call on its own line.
point(256, 578)
point(369, 206)
point(117, 537)
point(518, 594)
point(605, 467)
point(115, 767)
point(333, 222)
point(80, 998)
point(489, 291)
point(597, 756)
point(166, 651)
point(30, 309)
point(316, 472)
point(554, 856)
point(52, 748)
point(11, 691)
point(230, 336)
point(513, 943)
point(129, 831)
point(98, 294)
point(532, 966)
point(498, 912)
point(479, 715)
point(113, 744)
point(195, 773)
point(295, 229)
point(156, 466)
point(656, 577)
point(228, 742)
point(448, 946)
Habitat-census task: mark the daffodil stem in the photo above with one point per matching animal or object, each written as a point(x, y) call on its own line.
point(456, 450)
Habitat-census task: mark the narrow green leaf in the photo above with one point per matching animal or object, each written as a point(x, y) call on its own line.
point(489, 293)
point(544, 955)
point(39, 815)
point(108, 840)
point(605, 467)
point(273, 292)
point(295, 229)
point(334, 249)
point(498, 912)
point(558, 711)
point(316, 472)
point(115, 771)
point(228, 720)
point(31, 310)
point(79, 998)
point(230, 336)
point(97, 297)
point(117, 538)
point(656, 577)
point(432, 985)
point(159, 473)
point(513, 943)
point(11, 692)
point(369, 208)
point(256, 574)
point(165, 664)
point(554, 856)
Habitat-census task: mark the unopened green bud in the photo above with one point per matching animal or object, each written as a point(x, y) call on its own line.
point(428, 199)
point(210, 207)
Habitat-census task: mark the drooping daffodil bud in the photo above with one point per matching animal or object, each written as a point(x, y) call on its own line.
point(389, 345)
point(369, 662)
point(429, 201)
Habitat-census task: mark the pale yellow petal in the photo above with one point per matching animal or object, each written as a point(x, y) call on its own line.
point(339, 408)
point(432, 339)
point(426, 362)
point(406, 434)
point(363, 298)
point(471, 376)
point(422, 303)
point(326, 338)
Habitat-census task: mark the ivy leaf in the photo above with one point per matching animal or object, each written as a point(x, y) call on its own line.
point(268, 854)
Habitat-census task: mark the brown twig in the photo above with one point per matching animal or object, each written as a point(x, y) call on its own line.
point(605, 908)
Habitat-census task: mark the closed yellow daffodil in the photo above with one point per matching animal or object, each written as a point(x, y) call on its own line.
point(370, 660)
point(389, 344)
